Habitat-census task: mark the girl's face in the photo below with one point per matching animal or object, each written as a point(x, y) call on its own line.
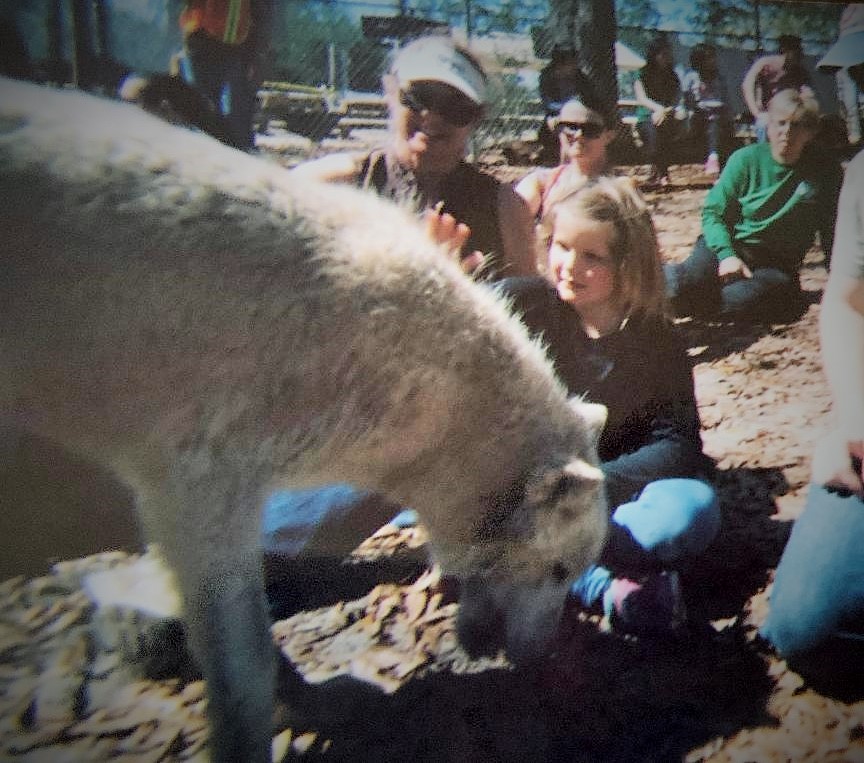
point(580, 261)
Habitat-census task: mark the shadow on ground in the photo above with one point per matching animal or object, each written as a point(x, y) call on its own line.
point(602, 698)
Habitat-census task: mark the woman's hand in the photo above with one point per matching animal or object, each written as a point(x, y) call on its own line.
point(443, 229)
point(659, 117)
point(732, 269)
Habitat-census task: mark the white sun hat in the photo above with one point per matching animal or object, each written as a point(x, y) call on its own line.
point(436, 59)
point(849, 48)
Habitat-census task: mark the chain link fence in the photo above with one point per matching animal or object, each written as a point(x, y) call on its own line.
point(339, 50)
point(328, 57)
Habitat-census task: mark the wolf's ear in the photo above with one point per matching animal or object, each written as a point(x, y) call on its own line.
point(594, 415)
point(564, 485)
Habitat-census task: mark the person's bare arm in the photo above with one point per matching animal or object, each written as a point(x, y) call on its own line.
point(334, 168)
point(517, 233)
point(530, 188)
point(658, 110)
point(748, 86)
point(842, 341)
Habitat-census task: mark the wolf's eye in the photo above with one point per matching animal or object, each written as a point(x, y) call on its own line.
point(562, 486)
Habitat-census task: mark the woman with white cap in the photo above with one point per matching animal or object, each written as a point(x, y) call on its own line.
point(436, 94)
point(816, 620)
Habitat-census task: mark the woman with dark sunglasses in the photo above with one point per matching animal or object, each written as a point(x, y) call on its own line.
point(584, 134)
point(436, 95)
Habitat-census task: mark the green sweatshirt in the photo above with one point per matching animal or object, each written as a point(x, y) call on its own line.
point(767, 213)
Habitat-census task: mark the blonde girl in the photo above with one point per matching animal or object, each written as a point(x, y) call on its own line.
point(601, 312)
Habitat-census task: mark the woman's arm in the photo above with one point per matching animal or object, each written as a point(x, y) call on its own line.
point(531, 188)
point(517, 233)
point(748, 86)
point(658, 110)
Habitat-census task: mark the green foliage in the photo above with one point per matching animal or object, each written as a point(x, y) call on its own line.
point(814, 22)
point(637, 20)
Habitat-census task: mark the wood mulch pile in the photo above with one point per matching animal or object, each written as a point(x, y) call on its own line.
point(93, 665)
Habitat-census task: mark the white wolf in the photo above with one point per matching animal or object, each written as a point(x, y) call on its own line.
point(176, 310)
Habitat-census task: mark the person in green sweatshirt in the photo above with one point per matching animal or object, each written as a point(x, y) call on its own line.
point(758, 222)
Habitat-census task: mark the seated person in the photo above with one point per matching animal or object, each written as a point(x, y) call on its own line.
point(602, 315)
point(707, 101)
point(658, 92)
point(436, 93)
point(770, 74)
point(758, 221)
point(559, 81)
point(584, 133)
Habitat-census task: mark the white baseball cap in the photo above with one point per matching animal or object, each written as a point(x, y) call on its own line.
point(436, 59)
point(849, 48)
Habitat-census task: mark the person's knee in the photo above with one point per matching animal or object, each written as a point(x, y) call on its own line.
point(789, 633)
point(672, 518)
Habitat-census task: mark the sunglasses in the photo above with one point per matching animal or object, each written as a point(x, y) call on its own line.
point(450, 106)
point(589, 130)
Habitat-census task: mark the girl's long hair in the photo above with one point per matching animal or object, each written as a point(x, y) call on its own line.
point(639, 279)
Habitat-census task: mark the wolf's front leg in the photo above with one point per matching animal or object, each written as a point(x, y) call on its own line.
point(230, 632)
point(219, 569)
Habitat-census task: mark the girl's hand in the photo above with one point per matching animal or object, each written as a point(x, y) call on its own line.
point(732, 269)
point(443, 229)
point(837, 463)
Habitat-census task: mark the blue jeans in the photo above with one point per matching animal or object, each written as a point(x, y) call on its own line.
point(818, 593)
point(694, 288)
point(670, 521)
point(659, 142)
point(329, 520)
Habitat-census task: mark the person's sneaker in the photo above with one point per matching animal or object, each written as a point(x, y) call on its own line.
point(712, 165)
point(654, 607)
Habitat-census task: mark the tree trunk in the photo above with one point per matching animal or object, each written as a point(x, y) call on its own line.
point(84, 55)
point(588, 27)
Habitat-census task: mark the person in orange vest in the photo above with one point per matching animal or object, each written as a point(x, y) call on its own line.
point(225, 43)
